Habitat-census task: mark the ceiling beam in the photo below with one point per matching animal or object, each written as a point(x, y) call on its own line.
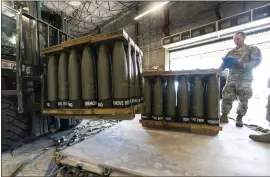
point(88, 13)
point(94, 3)
point(116, 16)
point(119, 2)
point(75, 19)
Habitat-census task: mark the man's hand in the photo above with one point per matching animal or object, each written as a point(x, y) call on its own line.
point(221, 68)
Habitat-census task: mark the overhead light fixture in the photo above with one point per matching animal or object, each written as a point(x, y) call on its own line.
point(151, 10)
point(75, 3)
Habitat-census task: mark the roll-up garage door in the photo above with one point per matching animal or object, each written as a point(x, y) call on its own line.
point(210, 56)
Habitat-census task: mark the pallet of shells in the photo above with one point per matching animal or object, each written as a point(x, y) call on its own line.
point(94, 75)
point(182, 100)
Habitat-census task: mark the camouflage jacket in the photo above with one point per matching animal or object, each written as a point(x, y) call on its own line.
point(248, 55)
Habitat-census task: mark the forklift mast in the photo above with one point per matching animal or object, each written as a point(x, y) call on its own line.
point(32, 35)
point(27, 28)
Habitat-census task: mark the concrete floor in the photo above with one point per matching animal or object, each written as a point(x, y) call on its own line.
point(256, 111)
point(166, 153)
point(39, 166)
point(230, 140)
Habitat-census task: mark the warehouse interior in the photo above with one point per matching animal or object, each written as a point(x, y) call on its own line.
point(124, 146)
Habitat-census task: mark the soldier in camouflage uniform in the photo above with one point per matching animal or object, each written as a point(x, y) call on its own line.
point(240, 78)
point(264, 138)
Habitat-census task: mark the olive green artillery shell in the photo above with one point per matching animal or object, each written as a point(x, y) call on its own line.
point(183, 97)
point(136, 78)
point(52, 78)
point(170, 104)
point(88, 74)
point(63, 77)
point(158, 98)
point(74, 75)
point(129, 74)
point(120, 76)
point(212, 98)
point(140, 90)
point(133, 78)
point(197, 103)
point(104, 77)
point(147, 96)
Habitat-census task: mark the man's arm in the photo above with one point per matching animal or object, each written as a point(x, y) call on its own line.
point(255, 58)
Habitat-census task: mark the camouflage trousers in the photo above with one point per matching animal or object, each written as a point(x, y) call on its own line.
point(232, 90)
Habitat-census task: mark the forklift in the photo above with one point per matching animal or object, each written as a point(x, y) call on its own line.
point(27, 28)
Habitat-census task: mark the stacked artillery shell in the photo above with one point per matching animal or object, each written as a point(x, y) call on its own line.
point(197, 101)
point(130, 75)
point(134, 76)
point(74, 79)
point(142, 88)
point(170, 102)
point(120, 76)
point(140, 78)
point(104, 77)
point(212, 99)
point(148, 99)
point(136, 93)
point(183, 100)
point(89, 93)
point(158, 99)
point(52, 82)
point(63, 80)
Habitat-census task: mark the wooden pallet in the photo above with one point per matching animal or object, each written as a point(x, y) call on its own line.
point(97, 113)
point(179, 73)
point(185, 127)
point(52, 49)
point(95, 40)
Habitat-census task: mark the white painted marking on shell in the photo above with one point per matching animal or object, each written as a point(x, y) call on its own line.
point(118, 103)
point(168, 118)
point(100, 104)
point(144, 117)
point(127, 102)
point(200, 120)
point(70, 105)
point(90, 103)
point(185, 119)
point(213, 121)
point(193, 119)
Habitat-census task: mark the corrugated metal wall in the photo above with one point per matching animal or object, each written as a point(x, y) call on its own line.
point(182, 16)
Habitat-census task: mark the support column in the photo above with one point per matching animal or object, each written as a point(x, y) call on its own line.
point(166, 21)
point(166, 32)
